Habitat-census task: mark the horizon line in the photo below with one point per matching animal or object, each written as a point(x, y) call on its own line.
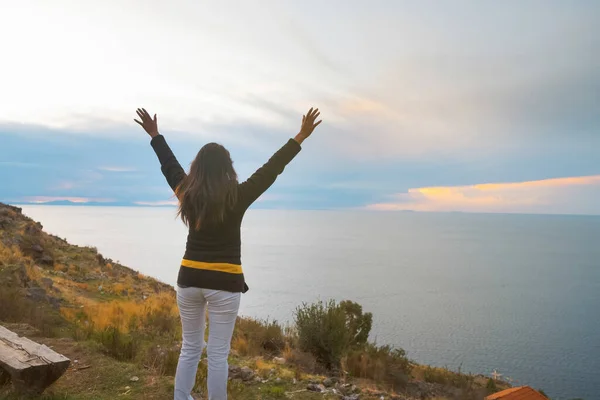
point(364, 209)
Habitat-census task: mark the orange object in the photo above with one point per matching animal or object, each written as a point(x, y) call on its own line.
point(517, 393)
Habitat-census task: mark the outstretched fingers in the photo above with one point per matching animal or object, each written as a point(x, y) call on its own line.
point(143, 114)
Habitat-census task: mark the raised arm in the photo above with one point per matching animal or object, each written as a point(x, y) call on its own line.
point(169, 165)
point(266, 175)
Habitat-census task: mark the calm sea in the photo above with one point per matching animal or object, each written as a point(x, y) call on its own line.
point(519, 294)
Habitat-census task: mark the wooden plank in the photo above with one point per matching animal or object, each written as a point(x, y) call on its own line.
point(32, 366)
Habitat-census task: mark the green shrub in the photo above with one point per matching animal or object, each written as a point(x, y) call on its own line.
point(357, 323)
point(276, 392)
point(330, 330)
point(122, 346)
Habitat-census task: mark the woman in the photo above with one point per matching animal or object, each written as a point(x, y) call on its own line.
point(212, 204)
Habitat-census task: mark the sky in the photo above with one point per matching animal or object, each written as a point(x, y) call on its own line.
point(474, 106)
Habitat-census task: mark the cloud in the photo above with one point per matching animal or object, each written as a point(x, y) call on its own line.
point(65, 185)
point(393, 80)
point(571, 195)
point(48, 199)
point(157, 203)
point(117, 169)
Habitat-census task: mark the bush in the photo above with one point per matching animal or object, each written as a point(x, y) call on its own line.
point(357, 323)
point(330, 330)
point(446, 377)
point(254, 337)
point(380, 363)
point(161, 319)
point(122, 346)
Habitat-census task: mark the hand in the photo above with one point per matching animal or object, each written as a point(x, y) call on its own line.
point(150, 125)
point(308, 125)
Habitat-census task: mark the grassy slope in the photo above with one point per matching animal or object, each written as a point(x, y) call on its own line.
point(69, 297)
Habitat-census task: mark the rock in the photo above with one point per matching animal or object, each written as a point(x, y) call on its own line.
point(351, 397)
point(5, 222)
point(47, 259)
point(134, 379)
point(55, 302)
point(314, 387)
point(422, 389)
point(234, 372)
point(37, 248)
point(330, 382)
point(47, 282)
point(247, 374)
point(348, 389)
point(101, 260)
point(277, 380)
point(36, 293)
point(279, 360)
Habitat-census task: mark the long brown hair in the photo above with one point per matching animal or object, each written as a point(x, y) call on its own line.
point(210, 188)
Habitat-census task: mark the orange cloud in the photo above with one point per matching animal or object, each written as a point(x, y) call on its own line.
point(558, 195)
point(554, 182)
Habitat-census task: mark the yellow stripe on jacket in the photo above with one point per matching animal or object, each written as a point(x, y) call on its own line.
point(220, 267)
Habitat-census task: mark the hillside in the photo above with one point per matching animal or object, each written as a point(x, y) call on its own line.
point(121, 331)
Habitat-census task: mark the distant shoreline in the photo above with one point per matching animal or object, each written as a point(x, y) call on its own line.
point(135, 205)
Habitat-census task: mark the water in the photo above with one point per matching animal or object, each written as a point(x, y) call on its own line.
point(516, 293)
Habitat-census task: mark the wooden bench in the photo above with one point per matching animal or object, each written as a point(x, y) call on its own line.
point(32, 367)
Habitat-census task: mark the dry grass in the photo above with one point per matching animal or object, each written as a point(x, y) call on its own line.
point(445, 376)
point(253, 338)
point(379, 364)
point(10, 255)
point(158, 312)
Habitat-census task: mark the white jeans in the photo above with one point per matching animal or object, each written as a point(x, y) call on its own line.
point(222, 313)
